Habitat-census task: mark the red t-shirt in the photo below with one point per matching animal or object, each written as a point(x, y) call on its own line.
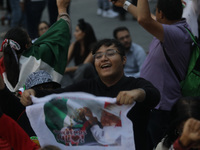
point(13, 134)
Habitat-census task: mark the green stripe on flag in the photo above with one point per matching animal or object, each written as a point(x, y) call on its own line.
point(55, 112)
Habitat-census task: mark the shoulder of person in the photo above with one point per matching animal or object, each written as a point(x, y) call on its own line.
point(133, 44)
point(137, 46)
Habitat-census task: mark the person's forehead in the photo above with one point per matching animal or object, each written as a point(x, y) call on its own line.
point(43, 24)
point(104, 48)
point(122, 33)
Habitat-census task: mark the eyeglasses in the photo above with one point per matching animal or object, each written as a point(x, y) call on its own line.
point(124, 37)
point(109, 53)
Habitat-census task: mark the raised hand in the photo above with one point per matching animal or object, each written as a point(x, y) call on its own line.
point(62, 5)
point(191, 133)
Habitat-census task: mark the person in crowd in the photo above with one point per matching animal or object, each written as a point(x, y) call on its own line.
point(191, 12)
point(33, 10)
point(12, 106)
point(17, 137)
point(109, 60)
point(135, 54)
point(80, 54)
point(53, 11)
point(43, 26)
point(190, 136)
point(17, 14)
point(184, 126)
point(105, 9)
point(6, 18)
point(49, 52)
point(171, 37)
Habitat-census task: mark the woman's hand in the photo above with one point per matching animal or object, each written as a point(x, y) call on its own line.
point(191, 133)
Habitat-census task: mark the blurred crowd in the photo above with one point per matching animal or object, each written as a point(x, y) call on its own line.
point(39, 58)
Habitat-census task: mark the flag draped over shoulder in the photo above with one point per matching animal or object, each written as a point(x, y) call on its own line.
point(49, 52)
point(81, 120)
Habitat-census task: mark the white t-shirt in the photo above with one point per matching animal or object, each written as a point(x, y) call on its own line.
point(191, 12)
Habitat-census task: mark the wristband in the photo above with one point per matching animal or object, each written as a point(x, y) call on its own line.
point(63, 14)
point(126, 5)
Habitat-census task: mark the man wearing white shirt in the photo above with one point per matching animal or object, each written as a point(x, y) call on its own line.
point(191, 12)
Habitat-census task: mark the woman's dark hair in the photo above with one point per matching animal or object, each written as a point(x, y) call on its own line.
point(89, 41)
point(182, 110)
point(107, 43)
point(172, 9)
point(20, 36)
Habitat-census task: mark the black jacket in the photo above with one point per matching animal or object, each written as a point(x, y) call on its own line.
point(139, 114)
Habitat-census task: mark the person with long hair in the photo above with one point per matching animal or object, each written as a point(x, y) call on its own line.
point(49, 52)
point(80, 53)
point(184, 111)
point(12, 52)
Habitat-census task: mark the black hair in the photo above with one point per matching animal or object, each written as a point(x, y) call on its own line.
point(107, 43)
point(182, 110)
point(89, 41)
point(20, 36)
point(172, 9)
point(118, 30)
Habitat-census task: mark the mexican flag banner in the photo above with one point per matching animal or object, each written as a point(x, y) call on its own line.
point(49, 52)
point(78, 120)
